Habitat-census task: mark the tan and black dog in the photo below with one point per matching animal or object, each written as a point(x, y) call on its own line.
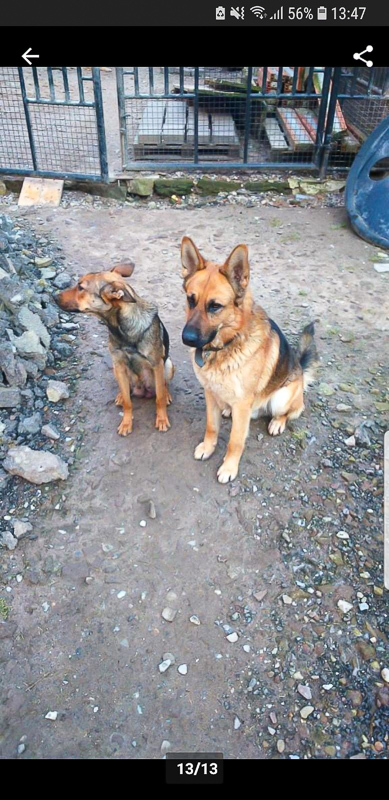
point(240, 356)
point(138, 340)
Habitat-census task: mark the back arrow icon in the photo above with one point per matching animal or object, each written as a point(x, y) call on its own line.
point(27, 55)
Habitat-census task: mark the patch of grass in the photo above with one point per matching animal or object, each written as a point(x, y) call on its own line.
point(332, 331)
point(339, 226)
point(4, 609)
point(291, 237)
point(275, 222)
point(303, 293)
point(376, 259)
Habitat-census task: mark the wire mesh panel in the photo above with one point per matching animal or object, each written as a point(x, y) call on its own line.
point(51, 122)
point(226, 116)
point(363, 99)
point(15, 151)
point(277, 117)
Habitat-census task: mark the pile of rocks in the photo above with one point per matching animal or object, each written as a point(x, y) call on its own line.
point(35, 338)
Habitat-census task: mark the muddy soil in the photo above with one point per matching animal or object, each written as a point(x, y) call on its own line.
point(268, 557)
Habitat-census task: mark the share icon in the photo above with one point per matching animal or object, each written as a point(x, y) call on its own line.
point(358, 56)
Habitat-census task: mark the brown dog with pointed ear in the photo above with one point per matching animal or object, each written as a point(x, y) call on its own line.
point(240, 356)
point(138, 340)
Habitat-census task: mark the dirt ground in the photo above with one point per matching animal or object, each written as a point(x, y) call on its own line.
point(90, 633)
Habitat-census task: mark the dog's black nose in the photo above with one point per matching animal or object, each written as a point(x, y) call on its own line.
point(191, 336)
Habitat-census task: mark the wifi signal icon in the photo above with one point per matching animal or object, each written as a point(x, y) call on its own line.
point(258, 11)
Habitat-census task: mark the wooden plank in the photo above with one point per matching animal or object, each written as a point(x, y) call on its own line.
point(223, 129)
point(275, 135)
point(203, 128)
point(173, 129)
point(296, 134)
point(41, 192)
point(309, 120)
point(150, 128)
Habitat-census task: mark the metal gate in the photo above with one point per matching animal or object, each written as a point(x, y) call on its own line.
point(52, 123)
point(225, 118)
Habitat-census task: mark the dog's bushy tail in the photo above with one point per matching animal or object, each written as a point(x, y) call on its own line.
point(307, 354)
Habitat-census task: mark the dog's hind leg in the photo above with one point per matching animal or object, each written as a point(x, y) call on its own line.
point(122, 375)
point(287, 403)
point(162, 395)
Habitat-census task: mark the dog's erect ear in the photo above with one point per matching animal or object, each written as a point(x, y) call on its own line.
point(237, 270)
point(112, 292)
point(191, 259)
point(125, 270)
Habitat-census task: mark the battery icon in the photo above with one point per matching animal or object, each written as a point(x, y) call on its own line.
point(322, 12)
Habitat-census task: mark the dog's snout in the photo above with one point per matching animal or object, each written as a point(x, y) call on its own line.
point(191, 336)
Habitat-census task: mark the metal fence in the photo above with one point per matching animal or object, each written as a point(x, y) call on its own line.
point(256, 117)
point(51, 122)
point(203, 118)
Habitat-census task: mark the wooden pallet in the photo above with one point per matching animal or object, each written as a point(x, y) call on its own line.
point(167, 129)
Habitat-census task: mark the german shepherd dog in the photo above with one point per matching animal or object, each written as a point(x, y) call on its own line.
point(138, 340)
point(240, 356)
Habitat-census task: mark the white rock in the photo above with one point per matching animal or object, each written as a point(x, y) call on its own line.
point(143, 523)
point(35, 466)
point(246, 648)
point(56, 391)
point(164, 665)
point(121, 594)
point(7, 539)
point(342, 535)
point(280, 745)
point(306, 711)
point(21, 528)
point(287, 600)
point(183, 669)
point(165, 746)
point(51, 715)
point(344, 606)
point(169, 657)
point(385, 674)
point(194, 619)
point(237, 723)
point(350, 442)
point(169, 614)
point(304, 691)
point(232, 637)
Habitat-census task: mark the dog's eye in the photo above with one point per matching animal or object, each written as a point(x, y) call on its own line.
point(213, 307)
point(191, 301)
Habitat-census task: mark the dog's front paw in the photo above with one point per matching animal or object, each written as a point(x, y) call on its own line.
point(125, 427)
point(227, 472)
point(203, 451)
point(161, 422)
